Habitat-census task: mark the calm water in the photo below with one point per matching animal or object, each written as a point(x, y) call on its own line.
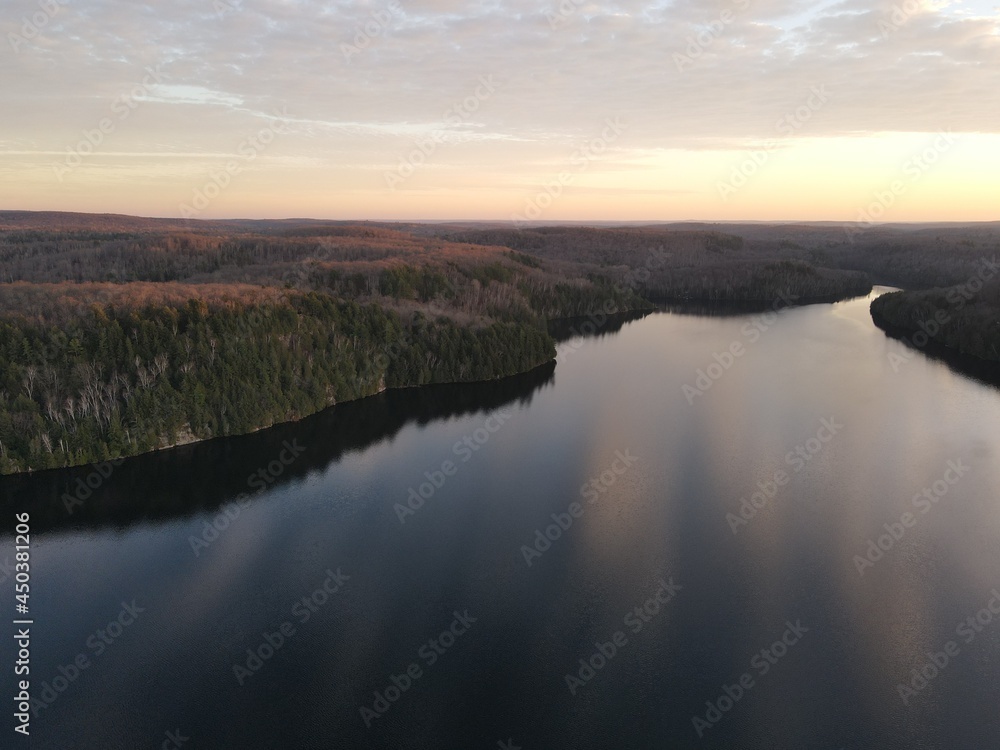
point(659, 483)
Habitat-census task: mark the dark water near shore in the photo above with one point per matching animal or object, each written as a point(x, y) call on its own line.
point(659, 483)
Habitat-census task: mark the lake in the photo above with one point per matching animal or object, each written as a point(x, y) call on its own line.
point(746, 531)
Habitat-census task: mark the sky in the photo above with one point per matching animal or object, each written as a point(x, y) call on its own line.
point(522, 110)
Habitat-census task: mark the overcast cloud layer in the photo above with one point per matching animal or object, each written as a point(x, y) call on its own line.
point(682, 75)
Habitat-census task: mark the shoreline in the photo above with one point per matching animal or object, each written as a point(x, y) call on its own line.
point(735, 307)
point(612, 323)
point(196, 441)
point(985, 371)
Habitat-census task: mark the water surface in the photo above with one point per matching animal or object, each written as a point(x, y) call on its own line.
point(670, 471)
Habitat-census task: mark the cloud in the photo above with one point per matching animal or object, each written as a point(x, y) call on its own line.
point(562, 67)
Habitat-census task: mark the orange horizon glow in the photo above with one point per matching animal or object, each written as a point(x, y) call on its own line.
point(680, 111)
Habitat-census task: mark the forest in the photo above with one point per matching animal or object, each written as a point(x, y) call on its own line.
point(964, 318)
point(118, 341)
point(120, 381)
point(678, 265)
point(120, 335)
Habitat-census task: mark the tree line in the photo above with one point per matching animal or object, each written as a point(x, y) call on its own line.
point(964, 318)
point(123, 381)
